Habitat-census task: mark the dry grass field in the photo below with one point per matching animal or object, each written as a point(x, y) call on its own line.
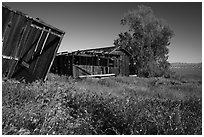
point(187, 71)
point(117, 105)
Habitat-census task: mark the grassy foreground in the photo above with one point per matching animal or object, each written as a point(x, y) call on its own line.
point(117, 105)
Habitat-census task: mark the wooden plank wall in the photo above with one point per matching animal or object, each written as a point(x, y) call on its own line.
point(79, 65)
point(29, 46)
point(124, 65)
point(94, 65)
point(94, 70)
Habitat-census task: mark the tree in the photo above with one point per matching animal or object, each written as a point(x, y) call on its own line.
point(147, 40)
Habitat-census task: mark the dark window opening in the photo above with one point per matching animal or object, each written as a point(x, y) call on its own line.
point(83, 60)
point(89, 60)
point(103, 62)
point(76, 60)
point(95, 61)
point(111, 63)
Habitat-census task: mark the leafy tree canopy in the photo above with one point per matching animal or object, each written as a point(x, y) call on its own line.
point(147, 40)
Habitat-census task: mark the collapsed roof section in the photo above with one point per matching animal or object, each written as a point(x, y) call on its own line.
point(111, 50)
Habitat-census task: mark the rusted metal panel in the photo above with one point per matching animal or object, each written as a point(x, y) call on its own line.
point(29, 45)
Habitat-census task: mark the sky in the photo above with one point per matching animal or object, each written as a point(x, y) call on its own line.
point(93, 25)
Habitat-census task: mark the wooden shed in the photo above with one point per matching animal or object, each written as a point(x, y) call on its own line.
point(29, 45)
point(100, 61)
point(124, 61)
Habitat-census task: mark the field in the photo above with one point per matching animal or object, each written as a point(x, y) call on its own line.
point(187, 71)
point(117, 105)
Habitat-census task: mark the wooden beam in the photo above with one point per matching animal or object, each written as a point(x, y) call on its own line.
point(97, 76)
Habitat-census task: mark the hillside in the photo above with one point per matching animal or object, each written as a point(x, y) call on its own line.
point(188, 71)
point(186, 65)
point(117, 105)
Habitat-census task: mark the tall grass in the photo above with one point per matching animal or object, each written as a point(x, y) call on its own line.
point(118, 105)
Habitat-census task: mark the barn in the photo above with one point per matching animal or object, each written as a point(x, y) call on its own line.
point(29, 45)
point(106, 61)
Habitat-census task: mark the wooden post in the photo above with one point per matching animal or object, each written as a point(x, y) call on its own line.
point(108, 64)
point(72, 62)
point(79, 60)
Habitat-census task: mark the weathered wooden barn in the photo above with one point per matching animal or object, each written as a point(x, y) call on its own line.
point(100, 61)
point(29, 45)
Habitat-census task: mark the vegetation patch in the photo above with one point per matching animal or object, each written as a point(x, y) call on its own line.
point(117, 105)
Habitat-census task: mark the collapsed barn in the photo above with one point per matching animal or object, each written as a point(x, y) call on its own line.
point(29, 45)
point(92, 62)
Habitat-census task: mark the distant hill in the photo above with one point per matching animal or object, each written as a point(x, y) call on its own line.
point(188, 71)
point(186, 65)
